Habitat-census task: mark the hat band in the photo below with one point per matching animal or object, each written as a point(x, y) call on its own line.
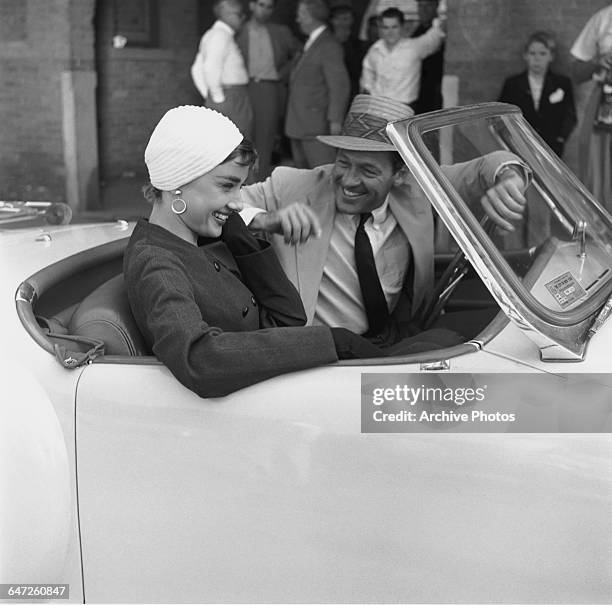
point(366, 126)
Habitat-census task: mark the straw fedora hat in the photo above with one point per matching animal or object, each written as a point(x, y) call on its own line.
point(364, 127)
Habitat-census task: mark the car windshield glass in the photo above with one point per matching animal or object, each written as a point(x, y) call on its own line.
point(558, 260)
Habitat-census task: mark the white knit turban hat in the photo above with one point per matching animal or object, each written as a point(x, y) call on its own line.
point(188, 142)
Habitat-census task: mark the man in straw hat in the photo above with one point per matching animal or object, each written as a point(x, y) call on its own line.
point(369, 188)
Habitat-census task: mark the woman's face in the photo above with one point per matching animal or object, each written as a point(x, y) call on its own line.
point(212, 197)
point(538, 58)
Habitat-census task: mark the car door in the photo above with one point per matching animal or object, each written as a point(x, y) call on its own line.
point(274, 494)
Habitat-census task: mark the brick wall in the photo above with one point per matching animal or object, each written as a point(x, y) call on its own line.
point(32, 57)
point(40, 39)
point(136, 85)
point(486, 37)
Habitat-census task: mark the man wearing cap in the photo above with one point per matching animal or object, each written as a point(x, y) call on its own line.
point(368, 188)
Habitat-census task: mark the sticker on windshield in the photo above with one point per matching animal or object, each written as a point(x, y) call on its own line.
point(565, 289)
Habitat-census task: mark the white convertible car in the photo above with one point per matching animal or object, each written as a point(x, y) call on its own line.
point(117, 480)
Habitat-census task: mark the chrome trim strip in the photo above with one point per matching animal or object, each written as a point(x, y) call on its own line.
point(26, 293)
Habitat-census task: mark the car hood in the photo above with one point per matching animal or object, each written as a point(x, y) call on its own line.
point(25, 251)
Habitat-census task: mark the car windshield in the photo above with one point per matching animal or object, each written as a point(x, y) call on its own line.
point(558, 260)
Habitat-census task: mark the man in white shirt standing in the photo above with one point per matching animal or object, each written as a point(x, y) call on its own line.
point(392, 66)
point(219, 72)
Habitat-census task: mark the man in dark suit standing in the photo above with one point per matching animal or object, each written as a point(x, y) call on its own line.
point(268, 49)
point(341, 22)
point(432, 68)
point(545, 97)
point(319, 89)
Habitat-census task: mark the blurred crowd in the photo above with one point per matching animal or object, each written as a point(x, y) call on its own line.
point(283, 90)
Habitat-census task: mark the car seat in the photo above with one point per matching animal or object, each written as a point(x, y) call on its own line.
point(105, 315)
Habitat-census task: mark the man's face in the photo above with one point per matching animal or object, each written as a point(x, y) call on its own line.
point(231, 13)
point(362, 180)
point(262, 10)
point(304, 20)
point(538, 58)
point(342, 24)
point(342, 20)
point(390, 30)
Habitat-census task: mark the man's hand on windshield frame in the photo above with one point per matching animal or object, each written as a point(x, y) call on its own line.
point(505, 201)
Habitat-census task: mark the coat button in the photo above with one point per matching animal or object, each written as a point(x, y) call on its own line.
point(245, 311)
point(217, 266)
point(253, 301)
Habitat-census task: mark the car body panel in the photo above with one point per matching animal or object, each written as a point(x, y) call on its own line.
point(35, 500)
point(511, 343)
point(26, 371)
point(273, 493)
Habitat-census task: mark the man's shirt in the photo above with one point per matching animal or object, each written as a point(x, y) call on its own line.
point(396, 73)
point(261, 55)
point(340, 302)
point(222, 62)
point(313, 36)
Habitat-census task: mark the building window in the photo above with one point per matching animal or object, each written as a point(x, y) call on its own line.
point(136, 22)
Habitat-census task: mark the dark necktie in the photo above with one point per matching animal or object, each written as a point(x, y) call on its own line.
point(374, 300)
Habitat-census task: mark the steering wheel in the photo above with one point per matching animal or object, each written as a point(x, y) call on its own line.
point(456, 270)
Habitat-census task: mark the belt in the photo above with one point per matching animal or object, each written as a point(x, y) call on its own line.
point(258, 80)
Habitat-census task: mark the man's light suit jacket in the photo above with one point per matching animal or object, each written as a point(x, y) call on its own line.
point(315, 188)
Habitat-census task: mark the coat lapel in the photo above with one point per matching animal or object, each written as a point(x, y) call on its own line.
point(304, 55)
point(525, 91)
point(547, 89)
point(311, 256)
point(242, 39)
point(275, 40)
point(414, 216)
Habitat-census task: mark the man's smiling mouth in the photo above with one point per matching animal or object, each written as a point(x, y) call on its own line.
point(352, 194)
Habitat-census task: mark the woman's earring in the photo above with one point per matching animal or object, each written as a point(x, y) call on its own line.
point(181, 206)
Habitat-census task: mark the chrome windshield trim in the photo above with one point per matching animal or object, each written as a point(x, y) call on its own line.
point(548, 328)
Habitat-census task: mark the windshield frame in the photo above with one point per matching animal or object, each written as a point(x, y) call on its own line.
point(518, 303)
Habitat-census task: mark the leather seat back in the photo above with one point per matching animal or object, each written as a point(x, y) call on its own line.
point(106, 315)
